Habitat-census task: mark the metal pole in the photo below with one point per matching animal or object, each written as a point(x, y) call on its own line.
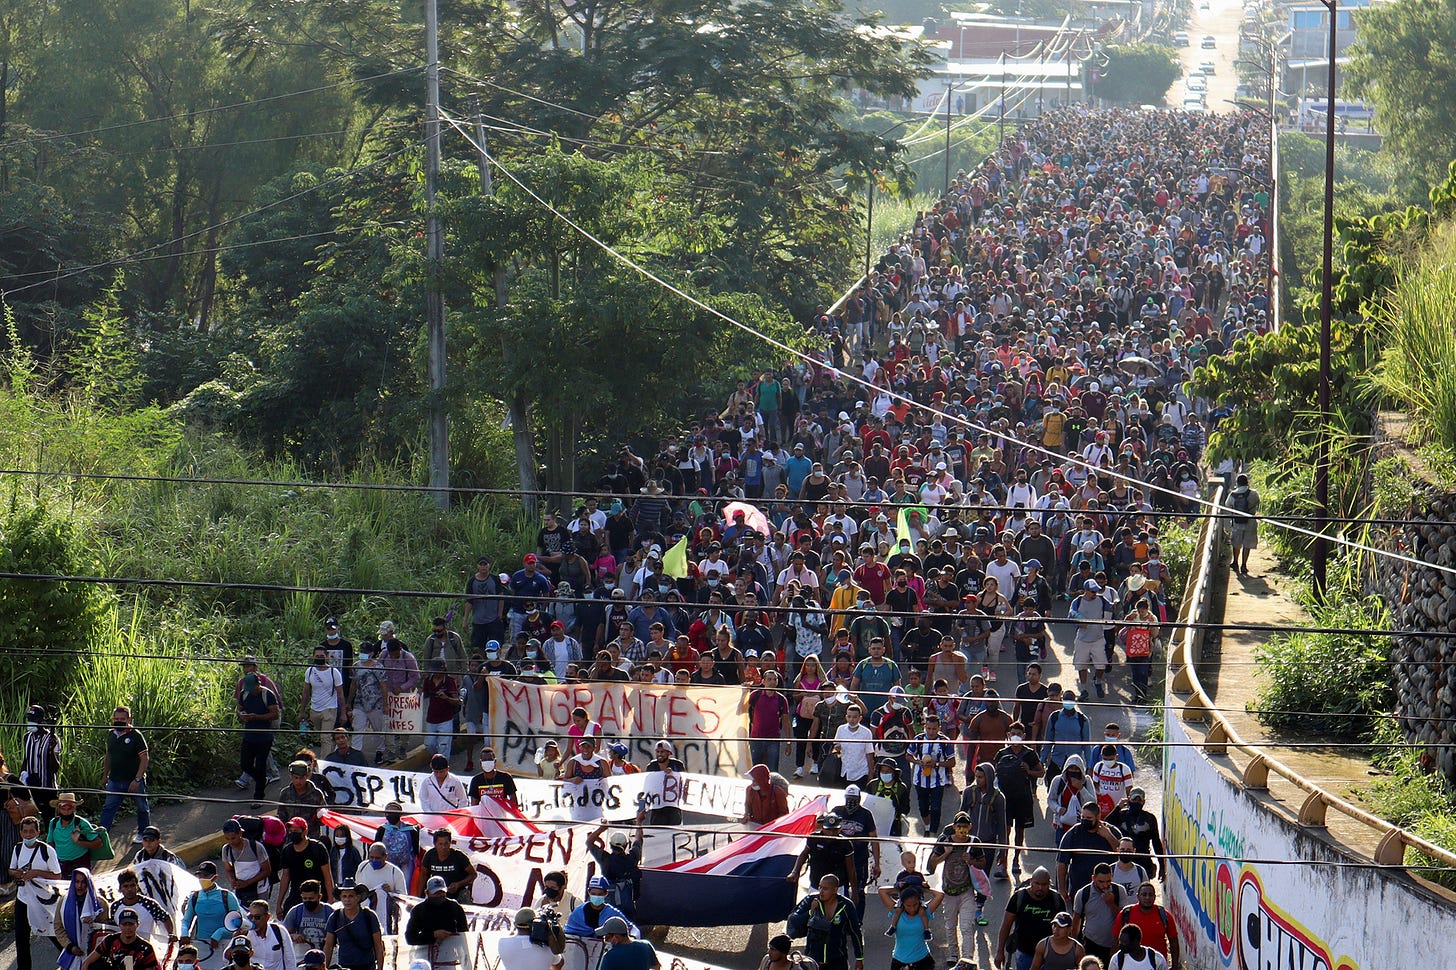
point(1040, 78)
point(1320, 555)
point(434, 259)
point(1001, 121)
point(948, 91)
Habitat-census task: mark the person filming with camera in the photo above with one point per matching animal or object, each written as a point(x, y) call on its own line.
point(538, 944)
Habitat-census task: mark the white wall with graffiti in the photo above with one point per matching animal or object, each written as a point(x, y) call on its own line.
point(1242, 909)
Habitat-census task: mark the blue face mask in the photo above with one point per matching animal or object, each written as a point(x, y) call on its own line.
point(598, 900)
point(376, 863)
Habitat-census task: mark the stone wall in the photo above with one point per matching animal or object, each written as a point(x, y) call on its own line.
point(1423, 598)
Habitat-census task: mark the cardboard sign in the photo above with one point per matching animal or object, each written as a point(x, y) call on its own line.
point(403, 713)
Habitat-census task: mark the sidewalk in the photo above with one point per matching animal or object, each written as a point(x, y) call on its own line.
point(1231, 677)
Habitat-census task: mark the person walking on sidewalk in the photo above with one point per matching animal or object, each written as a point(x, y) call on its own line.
point(1243, 502)
point(323, 697)
point(30, 860)
point(125, 770)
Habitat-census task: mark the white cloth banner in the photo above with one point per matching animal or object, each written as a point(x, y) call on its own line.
point(616, 798)
point(169, 885)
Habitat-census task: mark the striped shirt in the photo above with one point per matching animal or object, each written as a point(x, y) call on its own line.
point(41, 762)
point(930, 776)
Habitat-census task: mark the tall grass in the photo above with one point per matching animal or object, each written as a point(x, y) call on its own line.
point(1418, 366)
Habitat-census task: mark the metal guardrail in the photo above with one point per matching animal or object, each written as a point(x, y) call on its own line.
point(1188, 699)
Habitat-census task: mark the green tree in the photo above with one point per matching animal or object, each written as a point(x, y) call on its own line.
point(1401, 63)
point(45, 615)
point(1138, 74)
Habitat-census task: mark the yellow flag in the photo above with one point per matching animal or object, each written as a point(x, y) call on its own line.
point(902, 523)
point(675, 560)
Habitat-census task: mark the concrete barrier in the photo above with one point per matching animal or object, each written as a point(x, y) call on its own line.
point(1277, 873)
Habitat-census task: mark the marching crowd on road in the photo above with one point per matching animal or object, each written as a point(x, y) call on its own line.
point(880, 544)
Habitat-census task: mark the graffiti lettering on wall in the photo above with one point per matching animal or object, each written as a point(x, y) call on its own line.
point(1271, 939)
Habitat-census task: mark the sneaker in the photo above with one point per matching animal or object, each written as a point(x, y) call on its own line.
point(814, 769)
point(136, 839)
point(799, 772)
point(981, 917)
point(1016, 870)
point(985, 672)
point(999, 873)
point(243, 781)
point(378, 757)
point(1101, 690)
point(990, 676)
point(272, 777)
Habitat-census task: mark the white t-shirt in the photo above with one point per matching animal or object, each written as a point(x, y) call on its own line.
point(273, 948)
point(376, 883)
point(323, 687)
point(519, 953)
point(441, 796)
point(856, 748)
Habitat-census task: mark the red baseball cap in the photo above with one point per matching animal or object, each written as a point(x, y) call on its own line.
point(298, 822)
point(530, 557)
point(557, 625)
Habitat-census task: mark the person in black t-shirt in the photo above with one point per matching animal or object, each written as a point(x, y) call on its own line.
point(302, 859)
point(1028, 918)
point(492, 782)
point(826, 854)
point(450, 864)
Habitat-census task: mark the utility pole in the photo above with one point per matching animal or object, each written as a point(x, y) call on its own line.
point(870, 228)
point(434, 266)
point(949, 89)
point(1319, 558)
point(1001, 122)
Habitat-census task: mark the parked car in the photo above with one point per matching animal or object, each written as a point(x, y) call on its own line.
point(1193, 104)
point(1207, 67)
point(1196, 82)
point(1180, 39)
point(1209, 42)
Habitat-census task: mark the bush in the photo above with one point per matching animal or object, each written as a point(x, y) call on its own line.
point(1307, 676)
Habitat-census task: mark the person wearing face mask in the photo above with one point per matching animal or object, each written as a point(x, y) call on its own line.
point(344, 854)
point(620, 861)
point(73, 836)
point(857, 824)
point(591, 914)
point(989, 729)
point(30, 860)
point(340, 650)
point(1127, 873)
point(323, 696)
point(308, 922)
point(1140, 825)
point(301, 797)
point(239, 953)
point(489, 781)
point(377, 879)
point(555, 897)
point(534, 668)
point(124, 769)
point(560, 650)
point(368, 687)
point(205, 910)
point(40, 762)
point(1067, 733)
point(301, 860)
point(1082, 847)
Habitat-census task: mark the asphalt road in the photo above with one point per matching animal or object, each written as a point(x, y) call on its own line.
point(742, 947)
point(1219, 19)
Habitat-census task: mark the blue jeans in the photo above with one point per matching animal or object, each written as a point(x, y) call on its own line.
point(1023, 960)
point(439, 737)
point(765, 752)
point(116, 791)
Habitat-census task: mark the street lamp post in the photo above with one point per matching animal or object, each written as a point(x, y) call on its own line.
point(949, 89)
point(1001, 101)
point(1321, 551)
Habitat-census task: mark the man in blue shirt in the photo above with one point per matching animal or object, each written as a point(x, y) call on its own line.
point(874, 677)
point(796, 469)
point(625, 953)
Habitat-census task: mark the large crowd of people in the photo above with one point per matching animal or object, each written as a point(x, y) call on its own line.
point(881, 544)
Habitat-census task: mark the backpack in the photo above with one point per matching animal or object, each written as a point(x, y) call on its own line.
point(1239, 502)
point(1051, 722)
point(268, 831)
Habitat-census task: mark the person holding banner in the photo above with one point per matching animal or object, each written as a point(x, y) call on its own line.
point(78, 919)
point(593, 913)
point(378, 879)
point(621, 865)
point(31, 860)
point(664, 760)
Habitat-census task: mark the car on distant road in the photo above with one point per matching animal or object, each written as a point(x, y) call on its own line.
point(1193, 104)
point(1180, 39)
point(1207, 67)
point(1196, 82)
point(1209, 42)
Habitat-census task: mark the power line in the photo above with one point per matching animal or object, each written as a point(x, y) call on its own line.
point(308, 740)
point(925, 841)
point(38, 139)
point(583, 494)
point(895, 395)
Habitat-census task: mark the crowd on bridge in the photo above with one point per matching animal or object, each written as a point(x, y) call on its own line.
point(882, 544)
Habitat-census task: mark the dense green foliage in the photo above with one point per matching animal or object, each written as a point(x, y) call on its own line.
point(1138, 74)
point(1401, 64)
point(253, 170)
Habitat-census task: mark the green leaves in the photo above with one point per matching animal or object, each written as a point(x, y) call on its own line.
point(1138, 74)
